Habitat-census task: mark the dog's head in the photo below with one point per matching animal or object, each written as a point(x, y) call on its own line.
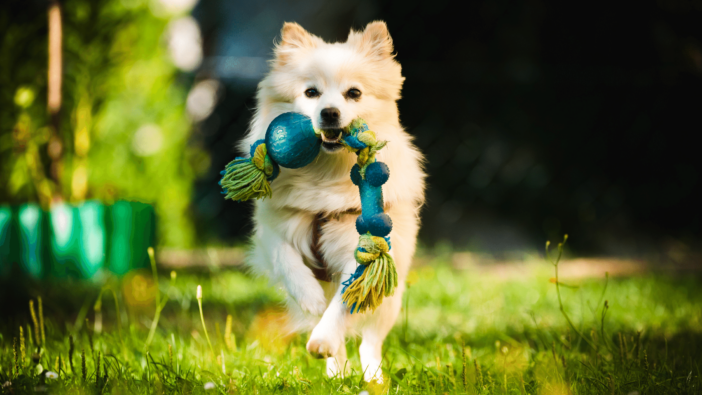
point(335, 83)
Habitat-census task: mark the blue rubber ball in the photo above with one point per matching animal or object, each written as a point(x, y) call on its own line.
point(377, 173)
point(379, 225)
point(291, 141)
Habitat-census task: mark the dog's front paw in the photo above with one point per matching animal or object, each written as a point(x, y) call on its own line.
point(309, 295)
point(323, 344)
point(373, 372)
point(313, 303)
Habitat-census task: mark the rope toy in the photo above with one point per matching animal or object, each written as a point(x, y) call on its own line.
point(292, 142)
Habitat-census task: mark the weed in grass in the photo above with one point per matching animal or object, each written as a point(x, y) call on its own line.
point(229, 337)
point(85, 370)
point(70, 353)
point(16, 356)
point(465, 368)
point(555, 261)
point(198, 295)
point(41, 322)
point(97, 371)
point(90, 337)
point(36, 323)
point(159, 304)
point(23, 352)
point(621, 350)
point(97, 309)
point(479, 376)
point(170, 358)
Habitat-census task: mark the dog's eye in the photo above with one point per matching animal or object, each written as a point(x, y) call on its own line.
point(312, 92)
point(353, 93)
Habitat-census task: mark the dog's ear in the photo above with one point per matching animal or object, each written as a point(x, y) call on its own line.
point(374, 41)
point(293, 37)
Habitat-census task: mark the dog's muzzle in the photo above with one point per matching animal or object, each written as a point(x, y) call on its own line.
point(331, 139)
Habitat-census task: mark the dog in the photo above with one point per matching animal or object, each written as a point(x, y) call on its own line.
point(307, 229)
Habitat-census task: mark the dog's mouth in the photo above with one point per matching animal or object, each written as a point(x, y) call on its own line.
point(331, 139)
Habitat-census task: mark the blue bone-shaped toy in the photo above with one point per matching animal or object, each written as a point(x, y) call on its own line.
point(292, 142)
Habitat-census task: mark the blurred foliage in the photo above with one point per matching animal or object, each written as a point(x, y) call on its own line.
point(122, 122)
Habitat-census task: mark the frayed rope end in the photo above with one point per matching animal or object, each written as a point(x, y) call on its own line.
point(249, 178)
point(374, 279)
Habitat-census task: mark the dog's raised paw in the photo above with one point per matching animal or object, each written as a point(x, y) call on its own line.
point(322, 348)
point(312, 301)
point(314, 306)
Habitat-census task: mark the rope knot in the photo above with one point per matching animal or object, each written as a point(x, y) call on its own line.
point(249, 178)
point(368, 138)
point(375, 277)
point(262, 160)
point(370, 248)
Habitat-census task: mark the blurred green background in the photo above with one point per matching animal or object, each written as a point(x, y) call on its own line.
point(122, 131)
point(536, 119)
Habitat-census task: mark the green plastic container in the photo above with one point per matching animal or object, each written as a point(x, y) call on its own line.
point(5, 240)
point(31, 232)
point(131, 230)
point(77, 241)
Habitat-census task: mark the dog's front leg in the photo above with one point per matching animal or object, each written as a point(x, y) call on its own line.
point(299, 280)
point(377, 326)
point(288, 268)
point(328, 338)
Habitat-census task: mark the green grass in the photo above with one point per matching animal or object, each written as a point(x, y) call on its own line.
point(464, 332)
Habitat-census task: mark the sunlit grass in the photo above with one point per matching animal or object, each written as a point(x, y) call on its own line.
point(465, 331)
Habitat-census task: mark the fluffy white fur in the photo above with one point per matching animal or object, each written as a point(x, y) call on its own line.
point(283, 225)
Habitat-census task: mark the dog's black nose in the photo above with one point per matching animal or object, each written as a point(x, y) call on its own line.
point(330, 115)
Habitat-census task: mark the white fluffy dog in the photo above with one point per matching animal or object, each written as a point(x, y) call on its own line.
point(334, 84)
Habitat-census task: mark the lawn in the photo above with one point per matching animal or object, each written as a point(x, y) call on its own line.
point(461, 331)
